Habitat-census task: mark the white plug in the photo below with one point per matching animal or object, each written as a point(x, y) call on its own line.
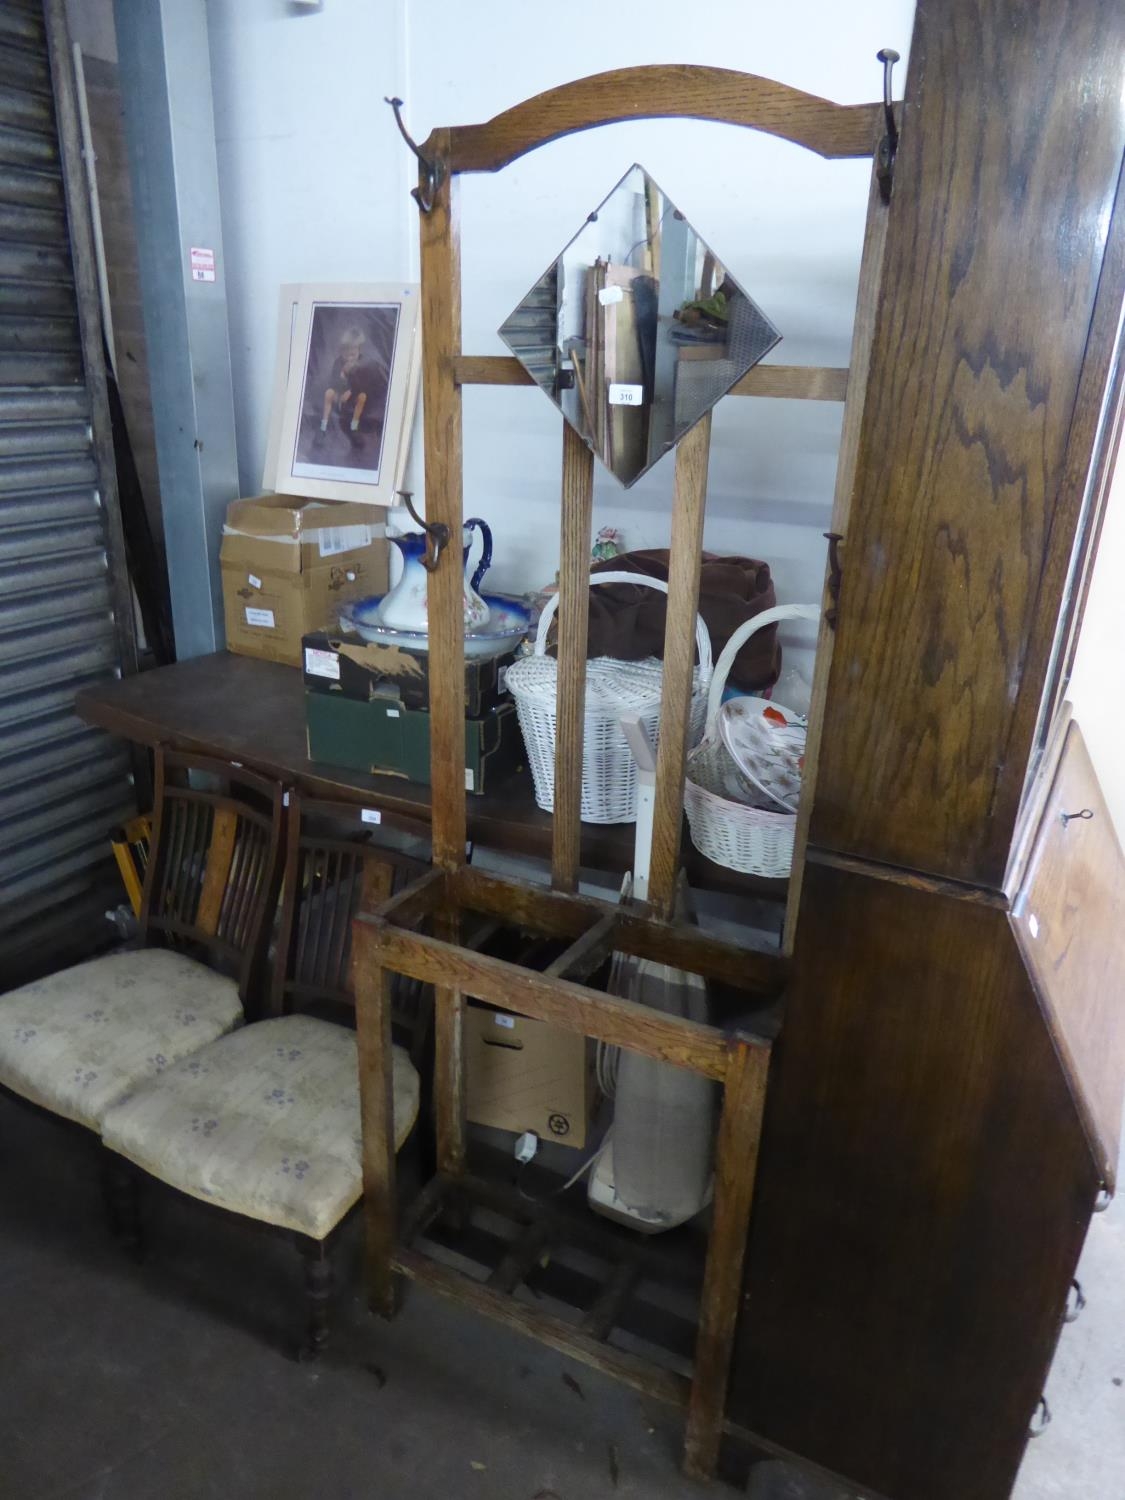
point(526, 1147)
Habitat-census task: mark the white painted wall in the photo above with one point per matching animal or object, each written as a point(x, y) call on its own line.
point(315, 187)
point(313, 182)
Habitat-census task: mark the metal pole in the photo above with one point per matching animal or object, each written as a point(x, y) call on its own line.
point(165, 70)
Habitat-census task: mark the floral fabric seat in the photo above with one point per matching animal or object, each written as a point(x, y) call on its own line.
point(265, 1123)
point(78, 1040)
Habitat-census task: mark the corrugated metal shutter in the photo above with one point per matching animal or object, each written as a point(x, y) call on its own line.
point(63, 786)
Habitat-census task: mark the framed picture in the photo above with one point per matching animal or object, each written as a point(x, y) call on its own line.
point(349, 391)
point(288, 302)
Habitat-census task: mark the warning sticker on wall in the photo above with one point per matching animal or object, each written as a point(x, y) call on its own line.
point(202, 264)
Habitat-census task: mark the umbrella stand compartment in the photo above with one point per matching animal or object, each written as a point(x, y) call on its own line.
point(420, 933)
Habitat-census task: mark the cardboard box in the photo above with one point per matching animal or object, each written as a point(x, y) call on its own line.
point(289, 564)
point(343, 662)
point(383, 736)
point(526, 1075)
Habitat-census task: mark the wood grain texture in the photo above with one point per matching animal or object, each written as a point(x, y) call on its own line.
point(736, 1161)
point(376, 1100)
point(1068, 922)
point(689, 504)
point(426, 894)
point(250, 853)
point(287, 927)
point(794, 383)
point(956, 558)
point(662, 91)
point(631, 1370)
point(220, 852)
point(863, 333)
point(606, 1018)
point(978, 895)
point(441, 403)
point(570, 688)
point(788, 382)
point(449, 1046)
point(587, 953)
point(923, 1193)
point(756, 970)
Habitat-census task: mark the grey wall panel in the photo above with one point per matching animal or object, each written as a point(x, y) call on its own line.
point(165, 69)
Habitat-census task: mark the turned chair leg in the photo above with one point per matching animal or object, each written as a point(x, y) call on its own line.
point(121, 1189)
point(320, 1282)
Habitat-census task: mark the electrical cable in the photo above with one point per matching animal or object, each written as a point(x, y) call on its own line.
point(590, 1162)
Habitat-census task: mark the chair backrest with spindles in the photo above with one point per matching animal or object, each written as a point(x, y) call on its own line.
point(340, 861)
point(214, 868)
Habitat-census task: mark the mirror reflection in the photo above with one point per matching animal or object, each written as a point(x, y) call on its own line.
point(637, 329)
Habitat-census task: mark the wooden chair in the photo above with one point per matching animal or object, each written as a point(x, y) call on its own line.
point(265, 1122)
point(131, 844)
point(77, 1041)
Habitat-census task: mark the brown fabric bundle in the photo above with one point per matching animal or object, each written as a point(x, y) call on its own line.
point(627, 620)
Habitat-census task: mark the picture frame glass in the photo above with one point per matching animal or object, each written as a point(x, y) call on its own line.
point(346, 388)
point(344, 409)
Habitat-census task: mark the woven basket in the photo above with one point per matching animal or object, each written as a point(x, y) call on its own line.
point(609, 772)
point(727, 831)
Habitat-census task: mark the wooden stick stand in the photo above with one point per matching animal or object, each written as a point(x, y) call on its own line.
point(421, 932)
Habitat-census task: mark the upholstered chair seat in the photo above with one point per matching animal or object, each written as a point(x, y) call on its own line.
point(264, 1123)
point(78, 1040)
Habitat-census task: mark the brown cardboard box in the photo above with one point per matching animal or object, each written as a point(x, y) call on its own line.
point(525, 1075)
point(289, 564)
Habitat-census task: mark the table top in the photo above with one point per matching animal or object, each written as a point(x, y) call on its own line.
point(240, 708)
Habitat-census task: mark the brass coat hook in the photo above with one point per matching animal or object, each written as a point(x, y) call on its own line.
point(429, 172)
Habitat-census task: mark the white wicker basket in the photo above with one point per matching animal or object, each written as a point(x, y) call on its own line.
point(609, 772)
point(730, 833)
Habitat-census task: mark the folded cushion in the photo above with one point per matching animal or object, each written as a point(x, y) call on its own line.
point(78, 1040)
point(265, 1123)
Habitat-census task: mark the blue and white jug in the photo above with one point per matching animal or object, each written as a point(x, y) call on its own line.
point(405, 607)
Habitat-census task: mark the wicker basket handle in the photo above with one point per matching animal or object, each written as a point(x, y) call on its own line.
point(738, 640)
point(702, 638)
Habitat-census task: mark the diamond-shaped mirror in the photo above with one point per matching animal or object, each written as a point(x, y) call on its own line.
point(636, 330)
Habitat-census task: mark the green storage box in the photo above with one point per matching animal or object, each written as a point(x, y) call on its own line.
point(384, 737)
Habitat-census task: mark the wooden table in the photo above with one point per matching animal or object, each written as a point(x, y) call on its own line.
point(239, 708)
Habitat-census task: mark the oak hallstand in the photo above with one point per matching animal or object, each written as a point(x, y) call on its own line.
point(421, 932)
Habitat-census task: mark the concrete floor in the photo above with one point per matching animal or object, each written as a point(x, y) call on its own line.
point(127, 1383)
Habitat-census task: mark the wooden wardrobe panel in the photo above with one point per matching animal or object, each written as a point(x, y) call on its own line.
point(923, 1193)
point(962, 527)
point(1070, 924)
